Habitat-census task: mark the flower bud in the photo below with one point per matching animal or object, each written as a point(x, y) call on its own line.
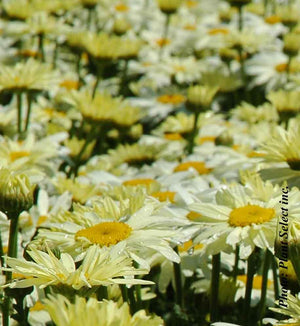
point(16, 192)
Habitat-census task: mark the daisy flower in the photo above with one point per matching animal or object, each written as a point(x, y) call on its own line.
point(282, 151)
point(237, 218)
point(137, 225)
point(30, 153)
point(29, 75)
point(92, 312)
point(269, 69)
point(99, 267)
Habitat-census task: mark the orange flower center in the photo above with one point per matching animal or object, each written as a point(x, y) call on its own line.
point(200, 167)
point(171, 99)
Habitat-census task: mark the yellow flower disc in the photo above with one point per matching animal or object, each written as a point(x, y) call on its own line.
point(250, 214)
point(193, 216)
point(138, 182)
point(281, 67)
point(257, 281)
point(272, 20)
point(171, 99)
point(106, 233)
point(198, 166)
point(38, 306)
point(173, 136)
point(165, 195)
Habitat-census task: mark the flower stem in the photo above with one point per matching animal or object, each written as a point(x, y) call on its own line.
point(240, 18)
point(55, 51)
point(131, 297)
point(41, 46)
point(236, 263)
point(29, 104)
point(249, 284)
point(98, 77)
point(275, 277)
point(1, 252)
point(191, 144)
point(122, 89)
point(12, 252)
point(78, 68)
point(178, 282)
point(266, 266)
point(214, 287)
point(124, 292)
point(19, 108)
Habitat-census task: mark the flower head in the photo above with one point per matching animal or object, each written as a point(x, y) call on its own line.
point(31, 75)
point(93, 312)
point(16, 191)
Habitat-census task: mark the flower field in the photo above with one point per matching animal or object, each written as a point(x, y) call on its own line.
point(149, 162)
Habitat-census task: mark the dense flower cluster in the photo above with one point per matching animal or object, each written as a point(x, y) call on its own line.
point(149, 162)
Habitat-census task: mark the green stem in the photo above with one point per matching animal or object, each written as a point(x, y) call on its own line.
point(236, 263)
point(123, 79)
point(249, 284)
point(266, 3)
point(1, 252)
point(12, 252)
point(55, 54)
point(240, 18)
point(19, 107)
point(89, 19)
point(77, 160)
point(78, 68)
point(98, 78)
point(41, 46)
point(132, 301)
point(178, 282)
point(124, 292)
point(191, 144)
point(267, 261)
point(214, 287)
point(29, 105)
point(275, 278)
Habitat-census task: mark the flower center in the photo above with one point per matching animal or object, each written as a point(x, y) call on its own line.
point(29, 53)
point(121, 7)
point(69, 84)
point(250, 214)
point(193, 216)
point(200, 167)
point(106, 233)
point(38, 306)
point(281, 67)
point(216, 31)
point(138, 182)
point(257, 281)
point(173, 136)
point(294, 164)
point(190, 27)
point(205, 139)
point(165, 196)
point(273, 19)
point(191, 3)
point(18, 154)
point(163, 42)
point(171, 99)
point(188, 245)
